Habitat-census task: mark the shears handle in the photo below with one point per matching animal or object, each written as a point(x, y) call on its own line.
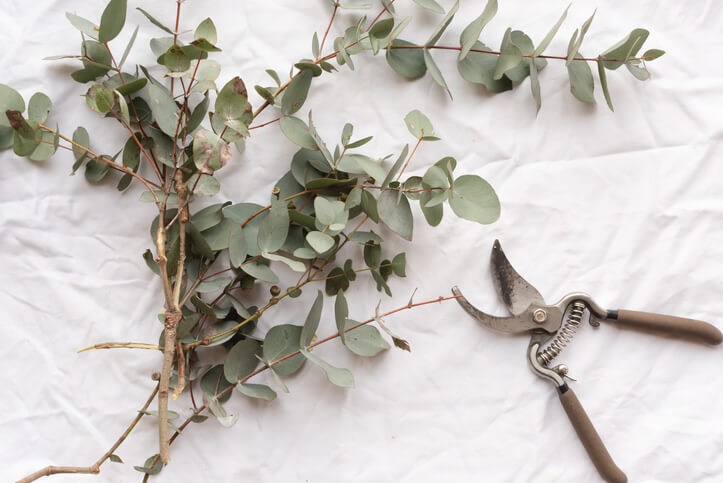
point(694, 330)
point(589, 437)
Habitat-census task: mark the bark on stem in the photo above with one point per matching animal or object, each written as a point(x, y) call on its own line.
point(172, 315)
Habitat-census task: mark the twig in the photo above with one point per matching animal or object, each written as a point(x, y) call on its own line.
point(95, 469)
point(122, 345)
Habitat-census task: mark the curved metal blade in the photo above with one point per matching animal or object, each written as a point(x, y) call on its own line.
point(516, 292)
point(522, 322)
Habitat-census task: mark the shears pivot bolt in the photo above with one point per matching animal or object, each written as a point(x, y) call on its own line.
point(539, 316)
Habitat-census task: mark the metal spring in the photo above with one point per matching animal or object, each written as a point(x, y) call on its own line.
point(565, 334)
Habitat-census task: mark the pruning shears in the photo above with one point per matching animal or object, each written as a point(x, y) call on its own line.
point(552, 327)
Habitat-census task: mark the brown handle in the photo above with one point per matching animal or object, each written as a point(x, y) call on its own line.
point(589, 437)
point(675, 326)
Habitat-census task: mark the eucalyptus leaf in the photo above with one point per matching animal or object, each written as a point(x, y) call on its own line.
point(112, 20)
point(628, 47)
point(341, 312)
point(260, 271)
point(213, 285)
point(280, 341)
point(258, 391)
point(407, 62)
point(237, 246)
point(473, 199)
point(213, 383)
point(369, 206)
point(164, 108)
point(295, 265)
point(339, 376)
point(241, 360)
point(39, 107)
point(210, 153)
point(435, 72)
point(581, 81)
point(535, 86)
point(509, 58)
point(154, 21)
point(471, 32)
point(653, 54)
point(395, 212)
point(365, 341)
point(418, 124)
point(297, 132)
point(430, 5)
point(479, 67)
point(524, 43)
point(10, 100)
point(604, 83)
point(232, 102)
point(399, 265)
point(574, 46)
point(206, 30)
point(320, 242)
point(551, 34)
point(83, 25)
point(274, 228)
point(439, 30)
point(295, 94)
point(312, 321)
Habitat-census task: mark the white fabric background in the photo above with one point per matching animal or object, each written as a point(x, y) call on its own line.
point(627, 206)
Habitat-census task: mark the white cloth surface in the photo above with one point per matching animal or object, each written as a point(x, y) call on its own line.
point(626, 206)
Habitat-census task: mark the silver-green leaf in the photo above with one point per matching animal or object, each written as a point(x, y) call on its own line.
point(581, 81)
point(509, 58)
point(112, 20)
point(473, 199)
point(339, 376)
point(471, 33)
point(395, 212)
point(274, 228)
point(312, 321)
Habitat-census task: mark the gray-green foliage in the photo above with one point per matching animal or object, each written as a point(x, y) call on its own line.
point(318, 205)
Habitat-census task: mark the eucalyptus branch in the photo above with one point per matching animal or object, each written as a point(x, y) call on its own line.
point(410, 305)
point(148, 184)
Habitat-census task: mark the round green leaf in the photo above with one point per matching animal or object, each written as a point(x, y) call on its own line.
point(39, 107)
point(280, 341)
point(472, 198)
point(320, 242)
point(259, 391)
point(95, 171)
point(10, 100)
point(407, 62)
point(206, 30)
point(364, 341)
point(260, 271)
point(214, 382)
point(418, 124)
point(241, 360)
point(297, 132)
